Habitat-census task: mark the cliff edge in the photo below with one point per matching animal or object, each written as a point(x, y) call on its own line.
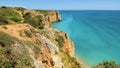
point(27, 40)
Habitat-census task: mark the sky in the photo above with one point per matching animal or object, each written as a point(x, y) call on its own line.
point(64, 4)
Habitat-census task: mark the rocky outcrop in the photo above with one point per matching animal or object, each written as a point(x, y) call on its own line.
point(53, 16)
point(57, 62)
point(49, 52)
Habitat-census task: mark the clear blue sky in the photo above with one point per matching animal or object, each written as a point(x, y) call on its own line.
point(64, 4)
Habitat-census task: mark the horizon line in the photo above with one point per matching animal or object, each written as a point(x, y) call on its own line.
point(62, 9)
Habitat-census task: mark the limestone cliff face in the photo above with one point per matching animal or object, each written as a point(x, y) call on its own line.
point(68, 45)
point(47, 20)
point(53, 16)
point(42, 51)
point(34, 43)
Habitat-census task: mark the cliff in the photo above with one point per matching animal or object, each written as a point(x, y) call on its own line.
point(27, 40)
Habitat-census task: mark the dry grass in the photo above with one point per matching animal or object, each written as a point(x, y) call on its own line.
point(14, 30)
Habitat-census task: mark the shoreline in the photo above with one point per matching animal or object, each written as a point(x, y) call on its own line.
point(82, 64)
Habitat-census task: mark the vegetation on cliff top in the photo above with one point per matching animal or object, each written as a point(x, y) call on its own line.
point(28, 33)
point(6, 40)
point(9, 56)
point(9, 15)
point(60, 40)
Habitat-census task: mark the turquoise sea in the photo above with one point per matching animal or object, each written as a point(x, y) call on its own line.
point(95, 33)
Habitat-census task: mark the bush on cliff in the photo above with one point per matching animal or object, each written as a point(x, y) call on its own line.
point(10, 57)
point(3, 21)
point(60, 40)
point(20, 9)
point(27, 17)
point(36, 21)
point(28, 33)
point(6, 40)
point(9, 14)
point(34, 47)
point(107, 64)
point(69, 62)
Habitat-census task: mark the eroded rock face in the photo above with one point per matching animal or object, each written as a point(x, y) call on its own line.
point(52, 16)
point(48, 55)
point(57, 62)
point(68, 45)
point(51, 46)
point(38, 64)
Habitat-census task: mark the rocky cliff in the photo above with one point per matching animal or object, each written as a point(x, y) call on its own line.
point(27, 40)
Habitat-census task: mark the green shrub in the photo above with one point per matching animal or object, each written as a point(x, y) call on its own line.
point(21, 34)
point(24, 61)
point(27, 17)
point(36, 50)
point(3, 21)
point(12, 59)
point(69, 62)
point(20, 9)
point(3, 7)
point(60, 40)
point(9, 14)
point(28, 33)
point(6, 64)
point(5, 27)
point(6, 40)
point(106, 64)
point(34, 24)
point(37, 22)
point(35, 47)
point(15, 19)
point(38, 18)
point(33, 21)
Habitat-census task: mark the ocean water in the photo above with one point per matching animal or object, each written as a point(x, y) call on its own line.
point(96, 34)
